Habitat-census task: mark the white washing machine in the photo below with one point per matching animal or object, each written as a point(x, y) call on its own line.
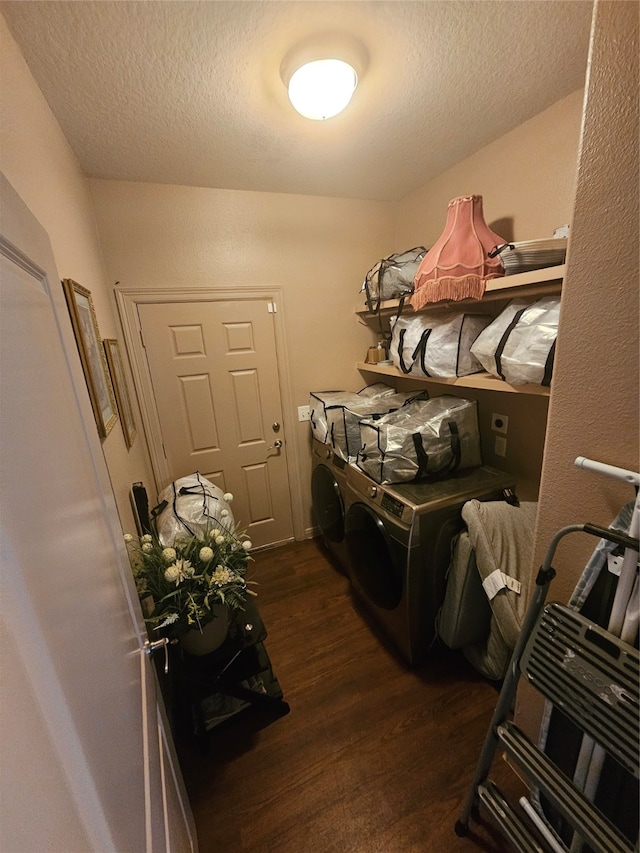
point(399, 547)
point(328, 473)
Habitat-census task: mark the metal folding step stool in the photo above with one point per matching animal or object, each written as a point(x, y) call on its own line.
point(592, 676)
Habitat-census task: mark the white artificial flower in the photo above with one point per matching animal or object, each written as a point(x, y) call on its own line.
point(169, 554)
point(146, 538)
point(147, 547)
point(206, 554)
point(219, 540)
point(222, 575)
point(224, 513)
point(128, 537)
point(228, 497)
point(185, 568)
point(247, 545)
point(172, 575)
point(214, 532)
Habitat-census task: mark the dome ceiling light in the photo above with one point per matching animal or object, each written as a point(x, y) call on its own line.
point(323, 88)
point(322, 73)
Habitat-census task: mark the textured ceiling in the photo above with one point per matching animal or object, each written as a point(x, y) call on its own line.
point(190, 92)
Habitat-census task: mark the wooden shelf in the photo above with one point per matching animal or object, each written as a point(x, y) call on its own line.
point(482, 381)
point(544, 282)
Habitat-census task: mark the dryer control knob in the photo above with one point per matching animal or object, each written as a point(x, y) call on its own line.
point(373, 491)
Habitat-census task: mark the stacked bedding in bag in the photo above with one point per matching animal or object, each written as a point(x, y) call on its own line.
point(425, 438)
point(517, 346)
point(335, 415)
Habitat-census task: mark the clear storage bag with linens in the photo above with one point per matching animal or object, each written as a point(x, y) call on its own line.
point(392, 277)
point(436, 344)
point(425, 438)
point(519, 345)
point(190, 506)
point(335, 415)
point(344, 420)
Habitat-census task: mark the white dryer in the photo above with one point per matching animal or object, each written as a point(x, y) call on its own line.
point(399, 547)
point(328, 475)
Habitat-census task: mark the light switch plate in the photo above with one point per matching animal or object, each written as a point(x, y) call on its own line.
point(304, 413)
point(501, 446)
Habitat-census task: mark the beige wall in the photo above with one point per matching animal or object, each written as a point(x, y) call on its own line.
point(526, 179)
point(594, 404)
point(38, 162)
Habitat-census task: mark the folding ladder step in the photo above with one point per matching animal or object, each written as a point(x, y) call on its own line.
point(591, 675)
point(583, 816)
point(508, 821)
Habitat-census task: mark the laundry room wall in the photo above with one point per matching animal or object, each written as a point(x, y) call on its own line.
point(37, 160)
point(595, 403)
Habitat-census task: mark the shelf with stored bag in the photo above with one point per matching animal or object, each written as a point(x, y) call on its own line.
point(482, 381)
point(533, 285)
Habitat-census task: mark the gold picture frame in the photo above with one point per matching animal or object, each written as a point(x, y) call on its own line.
point(92, 355)
point(121, 389)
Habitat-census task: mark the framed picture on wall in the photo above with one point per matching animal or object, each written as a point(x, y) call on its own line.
point(92, 355)
point(119, 381)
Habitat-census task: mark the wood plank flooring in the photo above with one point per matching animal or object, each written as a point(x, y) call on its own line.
point(374, 757)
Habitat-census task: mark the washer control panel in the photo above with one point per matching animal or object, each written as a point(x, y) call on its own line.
point(395, 507)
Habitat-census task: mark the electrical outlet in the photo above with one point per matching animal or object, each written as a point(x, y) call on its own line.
point(500, 423)
point(501, 446)
point(304, 413)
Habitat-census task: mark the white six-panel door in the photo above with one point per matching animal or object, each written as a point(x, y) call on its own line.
point(214, 370)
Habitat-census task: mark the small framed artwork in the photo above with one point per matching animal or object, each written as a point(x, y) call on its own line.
point(119, 381)
point(92, 355)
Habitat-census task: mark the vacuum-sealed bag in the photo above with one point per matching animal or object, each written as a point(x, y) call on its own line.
point(519, 345)
point(425, 438)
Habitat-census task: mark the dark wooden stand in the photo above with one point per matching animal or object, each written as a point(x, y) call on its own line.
point(211, 689)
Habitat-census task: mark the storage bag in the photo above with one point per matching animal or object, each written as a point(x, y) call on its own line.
point(437, 345)
point(321, 401)
point(191, 506)
point(343, 421)
point(425, 438)
point(392, 277)
point(519, 345)
point(407, 342)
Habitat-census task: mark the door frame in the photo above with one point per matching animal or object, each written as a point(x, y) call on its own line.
point(127, 301)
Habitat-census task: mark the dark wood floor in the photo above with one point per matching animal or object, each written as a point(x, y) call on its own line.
point(374, 757)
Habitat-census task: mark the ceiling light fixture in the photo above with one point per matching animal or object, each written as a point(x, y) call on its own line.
point(322, 73)
point(323, 88)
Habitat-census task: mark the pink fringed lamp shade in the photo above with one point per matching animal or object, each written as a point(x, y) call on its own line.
point(458, 265)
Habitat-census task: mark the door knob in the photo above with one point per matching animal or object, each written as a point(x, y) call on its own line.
point(151, 647)
point(277, 444)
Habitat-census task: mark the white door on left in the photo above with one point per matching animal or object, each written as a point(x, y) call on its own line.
point(86, 761)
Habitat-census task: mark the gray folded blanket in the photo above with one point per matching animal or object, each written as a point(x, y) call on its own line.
point(497, 548)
